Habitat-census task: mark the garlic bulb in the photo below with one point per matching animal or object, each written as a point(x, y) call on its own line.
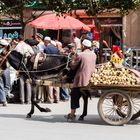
point(107, 74)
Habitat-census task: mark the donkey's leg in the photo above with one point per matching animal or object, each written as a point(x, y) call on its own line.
point(85, 99)
point(41, 108)
point(32, 103)
point(36, 104)
point(31, 111)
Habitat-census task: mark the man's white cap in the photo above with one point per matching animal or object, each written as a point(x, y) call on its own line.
point(3, 42)
point(86, 43)
point(47, 38)
point(53, 43)
point(95, 44)
point(58, 43)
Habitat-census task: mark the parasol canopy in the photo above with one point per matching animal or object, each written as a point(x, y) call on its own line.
point(51, 21)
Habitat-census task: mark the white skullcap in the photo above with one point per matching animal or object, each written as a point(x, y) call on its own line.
point(53, 43)
point(96, 44)
point(47, 38)
point(3, 42)
point(86, 43)
point(58, 43)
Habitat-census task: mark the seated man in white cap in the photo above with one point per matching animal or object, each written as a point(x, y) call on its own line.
point(84, 64)
point(53, 92)
point(50, 46)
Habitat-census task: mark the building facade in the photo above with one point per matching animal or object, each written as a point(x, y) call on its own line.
point(131, 30)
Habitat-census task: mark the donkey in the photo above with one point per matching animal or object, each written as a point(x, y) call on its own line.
point(48, 65)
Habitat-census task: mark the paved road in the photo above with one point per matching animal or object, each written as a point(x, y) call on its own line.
point(53, 126)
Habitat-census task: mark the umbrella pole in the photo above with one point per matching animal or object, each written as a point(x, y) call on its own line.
point(58, 34)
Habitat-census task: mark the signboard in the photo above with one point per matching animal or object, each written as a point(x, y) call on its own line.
point(10, 23)
point(87, 21)
point(12, 33)
point(10, 28)
point(105, 21)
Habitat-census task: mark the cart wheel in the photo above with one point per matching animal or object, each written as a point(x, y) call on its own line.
point(136, 105)
point(115, 107)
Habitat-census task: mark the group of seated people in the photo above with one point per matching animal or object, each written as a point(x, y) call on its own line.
point(28, 47)
point(38, 43)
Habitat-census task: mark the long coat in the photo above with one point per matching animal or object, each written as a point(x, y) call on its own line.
point(85, 63)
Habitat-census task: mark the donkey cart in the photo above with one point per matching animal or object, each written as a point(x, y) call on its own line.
point(117, 105)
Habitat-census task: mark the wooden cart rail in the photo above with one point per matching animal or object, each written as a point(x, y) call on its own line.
point(56, 83)
point(53, 83)
point(120, 87)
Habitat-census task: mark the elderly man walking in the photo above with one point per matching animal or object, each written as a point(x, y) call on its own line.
point(85, 64)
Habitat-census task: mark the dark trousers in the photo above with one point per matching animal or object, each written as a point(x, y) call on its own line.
point(75, 97)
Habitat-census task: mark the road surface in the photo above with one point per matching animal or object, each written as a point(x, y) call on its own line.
point(53, 126)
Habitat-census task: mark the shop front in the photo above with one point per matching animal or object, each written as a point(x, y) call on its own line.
point(111, 28)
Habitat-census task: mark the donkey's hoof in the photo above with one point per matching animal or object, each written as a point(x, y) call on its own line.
point(48, 110)
point(81, 118)
point(28, 116)
point(45, 110)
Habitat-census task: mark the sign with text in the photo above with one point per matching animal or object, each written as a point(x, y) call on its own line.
point(10, 23)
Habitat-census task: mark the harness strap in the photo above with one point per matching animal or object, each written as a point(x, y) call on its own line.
point(3, 58)
point(36, 61)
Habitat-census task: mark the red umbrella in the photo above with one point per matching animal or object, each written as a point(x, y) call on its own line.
point(54, 22)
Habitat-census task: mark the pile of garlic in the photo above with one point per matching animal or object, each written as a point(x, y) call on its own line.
point(109, 75)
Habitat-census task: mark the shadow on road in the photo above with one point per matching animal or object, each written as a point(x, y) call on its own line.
point(56, 118)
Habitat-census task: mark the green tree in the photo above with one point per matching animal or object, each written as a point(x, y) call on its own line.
point(93, 8)
point(14, 9)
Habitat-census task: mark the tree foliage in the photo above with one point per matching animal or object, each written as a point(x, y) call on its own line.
point(12, 7)
point(15, 8)
point(92, 7)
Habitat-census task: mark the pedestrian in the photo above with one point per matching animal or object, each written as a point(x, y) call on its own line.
point(85, 64)
point(25, 87)
point(53, 92)
point(5, 82)
point(34, 44)
point(39, 37)
point(77, 43)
